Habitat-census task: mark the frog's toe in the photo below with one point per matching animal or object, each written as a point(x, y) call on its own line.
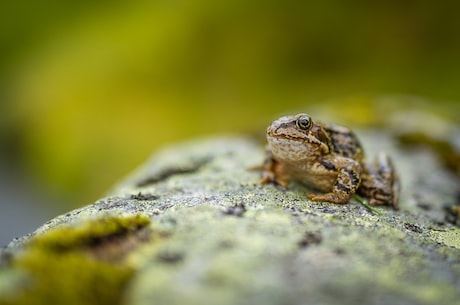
point(380, 197)
point(267, 177)
point(271, 177)
point(282, 182)
point(329, 197)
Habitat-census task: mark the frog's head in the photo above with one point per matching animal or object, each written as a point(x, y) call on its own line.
point(297, 133)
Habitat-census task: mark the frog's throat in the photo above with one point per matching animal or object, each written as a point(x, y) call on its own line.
point(304, 138)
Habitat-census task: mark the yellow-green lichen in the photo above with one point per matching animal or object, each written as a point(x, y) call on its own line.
point(59, 268)
point(449, 237)
point(74, 237)
point(71, 278)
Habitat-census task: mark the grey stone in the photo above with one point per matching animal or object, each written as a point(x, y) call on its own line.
point(233, 241)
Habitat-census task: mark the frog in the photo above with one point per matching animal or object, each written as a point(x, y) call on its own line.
point(329, 159)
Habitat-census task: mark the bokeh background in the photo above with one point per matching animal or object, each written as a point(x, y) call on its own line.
point(89, 89)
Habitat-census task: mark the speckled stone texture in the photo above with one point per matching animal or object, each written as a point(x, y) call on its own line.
point(226, 239)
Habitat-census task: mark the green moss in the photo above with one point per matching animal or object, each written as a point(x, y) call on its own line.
point(71, 278)
point(90, 233)
point(60, 270)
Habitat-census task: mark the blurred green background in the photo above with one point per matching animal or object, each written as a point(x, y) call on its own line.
point(89, 89)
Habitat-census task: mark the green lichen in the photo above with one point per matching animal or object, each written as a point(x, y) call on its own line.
point(450, 237)
point(59, 268)
point(72, 278)
point(90, 233)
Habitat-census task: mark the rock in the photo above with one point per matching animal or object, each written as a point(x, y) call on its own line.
point(194, 226)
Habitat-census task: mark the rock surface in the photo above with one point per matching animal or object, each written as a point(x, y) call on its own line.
point(214, 235)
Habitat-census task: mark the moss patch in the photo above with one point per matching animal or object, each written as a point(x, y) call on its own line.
point(69, 279)
point(90, 234)
point(61, 270)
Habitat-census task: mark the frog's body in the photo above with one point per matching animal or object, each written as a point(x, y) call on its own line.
point(328, 158)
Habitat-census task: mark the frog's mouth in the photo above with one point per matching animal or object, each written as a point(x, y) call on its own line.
point(289, 131)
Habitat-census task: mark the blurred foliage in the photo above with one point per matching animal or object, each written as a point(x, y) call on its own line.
point(89, 89)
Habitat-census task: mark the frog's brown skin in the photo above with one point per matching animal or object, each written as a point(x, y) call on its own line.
point(328, 158)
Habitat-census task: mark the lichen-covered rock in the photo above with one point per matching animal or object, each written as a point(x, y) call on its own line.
point(194, 226)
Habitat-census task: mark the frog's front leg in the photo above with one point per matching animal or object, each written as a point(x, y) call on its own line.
point(380, 183)
point(273, 171)
point(346, 183)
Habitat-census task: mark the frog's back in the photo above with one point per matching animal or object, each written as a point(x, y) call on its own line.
point(344, 142)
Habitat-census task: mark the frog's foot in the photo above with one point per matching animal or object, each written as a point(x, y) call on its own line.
point(273, 172)
point(329, 197)
point(348, 179)
point(380, 182)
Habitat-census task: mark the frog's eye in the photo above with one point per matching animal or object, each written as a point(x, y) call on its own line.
point(304, 122)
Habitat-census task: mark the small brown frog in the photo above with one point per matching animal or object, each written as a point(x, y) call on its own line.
point(328, 158)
